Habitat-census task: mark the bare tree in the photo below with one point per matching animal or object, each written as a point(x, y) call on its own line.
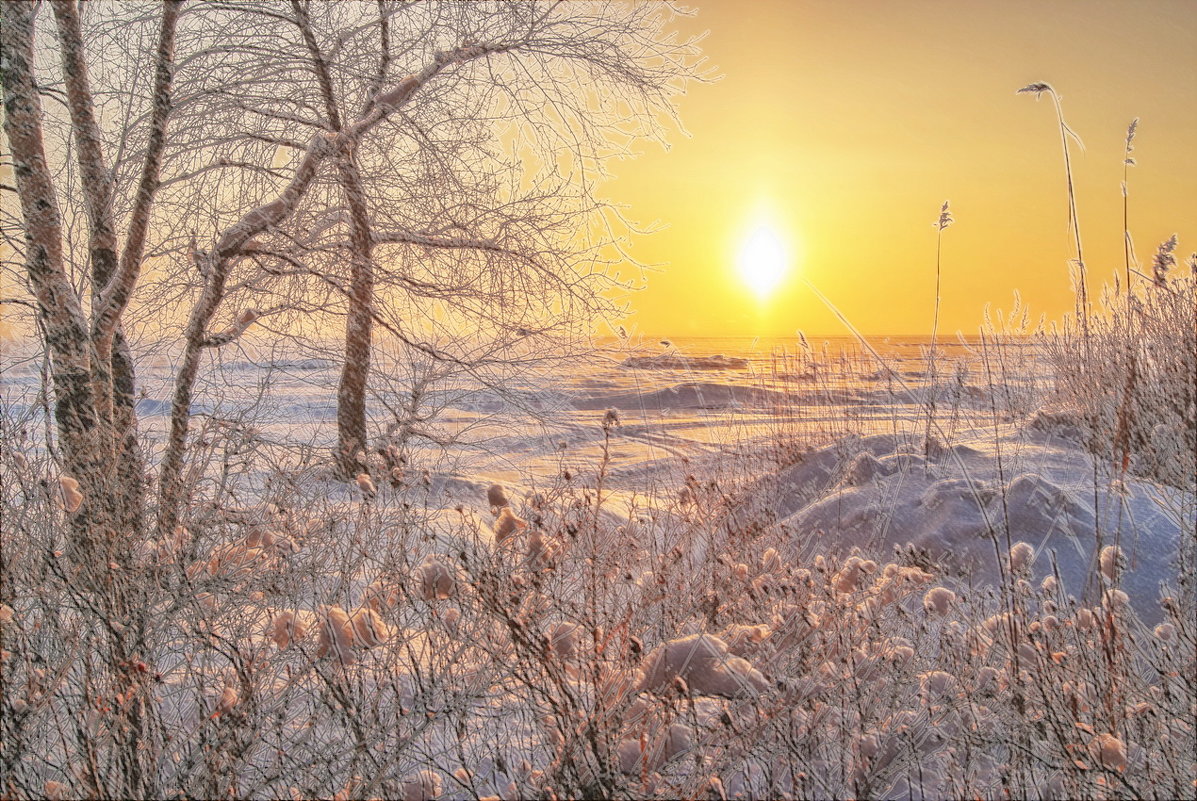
point(476, 200)
point(238, 241)
point(91, 368)
point(93, 372)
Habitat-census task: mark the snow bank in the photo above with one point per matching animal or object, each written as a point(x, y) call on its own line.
point(955, 507)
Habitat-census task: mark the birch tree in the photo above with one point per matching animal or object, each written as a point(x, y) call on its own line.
point(91, 369)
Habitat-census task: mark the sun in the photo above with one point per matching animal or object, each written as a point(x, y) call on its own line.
point(762, 261)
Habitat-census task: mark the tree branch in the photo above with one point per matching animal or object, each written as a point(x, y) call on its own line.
point(97, 180)
point(60, 307)
point(115, 295)
point(270, 214)
point(440, 242)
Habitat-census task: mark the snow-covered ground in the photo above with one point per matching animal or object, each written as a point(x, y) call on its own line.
point(855, 470)
point(712, 567)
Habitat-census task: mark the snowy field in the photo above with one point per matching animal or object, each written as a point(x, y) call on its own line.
point(833, 437)
point(707, 568)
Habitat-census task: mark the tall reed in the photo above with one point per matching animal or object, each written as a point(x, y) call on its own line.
point(944, 220)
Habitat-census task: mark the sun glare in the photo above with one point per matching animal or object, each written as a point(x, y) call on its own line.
point(762, 261)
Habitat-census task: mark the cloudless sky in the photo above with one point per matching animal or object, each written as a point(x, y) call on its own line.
point(844, 124)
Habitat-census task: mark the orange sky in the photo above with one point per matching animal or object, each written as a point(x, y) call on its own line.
point(847, 124)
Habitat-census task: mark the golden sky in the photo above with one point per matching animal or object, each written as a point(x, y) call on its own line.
point(842, 125)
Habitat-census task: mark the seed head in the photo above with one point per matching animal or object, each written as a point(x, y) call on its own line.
point(1130, 141)
point(72, 498)
point(938, 600)
point(945, 217)
point(1036, 88)
point(1164, 260)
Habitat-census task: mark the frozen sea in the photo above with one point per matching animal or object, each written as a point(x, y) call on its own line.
point(675, 398)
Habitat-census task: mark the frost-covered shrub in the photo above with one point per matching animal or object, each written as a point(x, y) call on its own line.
point(1132, 376)
point(436, 582)
point(703, 665)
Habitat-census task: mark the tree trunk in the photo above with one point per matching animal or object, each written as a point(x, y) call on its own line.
point(81, 433)
point(355, 370)
point(130, 465)
point(99, 542)
point(113, 278)
point(170, 479)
